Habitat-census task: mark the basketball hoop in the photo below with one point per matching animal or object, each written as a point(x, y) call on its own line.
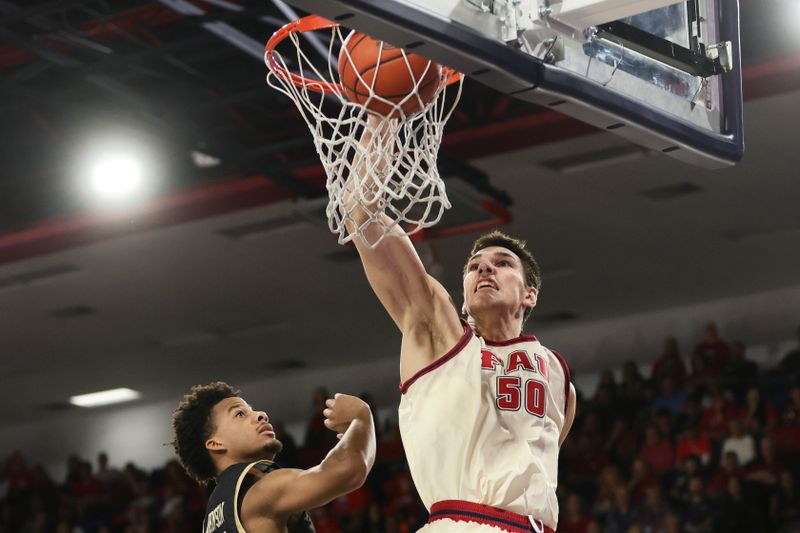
point(382, 163)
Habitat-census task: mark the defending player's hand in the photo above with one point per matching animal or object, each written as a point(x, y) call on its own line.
point(343, 409)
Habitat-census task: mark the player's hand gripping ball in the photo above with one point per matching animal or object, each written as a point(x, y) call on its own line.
point(368, 67)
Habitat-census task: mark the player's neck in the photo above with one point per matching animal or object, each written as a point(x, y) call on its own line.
point(223, 463)
point(498, 329)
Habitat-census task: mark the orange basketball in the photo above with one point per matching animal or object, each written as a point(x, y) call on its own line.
point(365, 63)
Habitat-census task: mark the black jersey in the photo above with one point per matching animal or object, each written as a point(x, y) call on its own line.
point(222, 511)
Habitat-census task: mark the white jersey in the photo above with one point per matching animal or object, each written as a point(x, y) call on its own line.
point(482, 424)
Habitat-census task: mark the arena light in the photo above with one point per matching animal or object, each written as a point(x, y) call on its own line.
point(116, 176)
point(106, 397)
point(118, 169)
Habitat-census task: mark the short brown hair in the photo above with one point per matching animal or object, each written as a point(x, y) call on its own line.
point(533, 276)
point(192, 426)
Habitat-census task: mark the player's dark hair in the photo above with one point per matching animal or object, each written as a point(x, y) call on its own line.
point(533, 276)
point(192, 426)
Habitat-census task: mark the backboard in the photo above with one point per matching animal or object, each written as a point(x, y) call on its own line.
point(664, 74)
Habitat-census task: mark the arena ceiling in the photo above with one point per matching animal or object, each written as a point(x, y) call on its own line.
point(228, 271)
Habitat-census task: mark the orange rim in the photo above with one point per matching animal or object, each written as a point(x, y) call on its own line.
point(313, 23)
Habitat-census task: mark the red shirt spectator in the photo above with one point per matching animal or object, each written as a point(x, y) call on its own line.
point(694, 444)
point(716, 417)
point(710, 355)
point(657, 452)
point(351, 503)
point(586, 459)
point(323, 521)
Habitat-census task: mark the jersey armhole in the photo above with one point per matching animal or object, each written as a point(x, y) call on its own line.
point(567, 377)
point(465, 338)
point(236, 497)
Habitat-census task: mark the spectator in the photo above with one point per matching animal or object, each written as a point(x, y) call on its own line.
point(669, 364)
point(764, 477)
point(574, 519)
point(318, 438)
point(641, 480)
point(106, 475)
point(620, 517)
point(673, 524)
point(785, 507)
point(652, 514)
point(592, 428)
point(670, 397)
point(711, 354)
point(375, 521)
point(787, 435)
point(323, 521)
point(739, 374)
point(736, 514)
point(757, 416)
point(608, 382)
point(631, 390)
point(739, 443)
point(791, 412)
point(679, 485)
point(690, 415)
point(716, 416)
point(290, 454)
point(663, 423)
point(697, 513)
point(586, 460)
point(767, 469)
point(594, 527)
point(610, 481)
point(692, 443)
point(623, 442)
point(730, 469)
point(604, 406)
point(657, 452)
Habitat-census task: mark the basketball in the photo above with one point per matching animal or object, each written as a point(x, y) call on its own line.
point(368, 67)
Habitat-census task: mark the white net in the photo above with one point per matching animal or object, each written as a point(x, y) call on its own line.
point(381, 169)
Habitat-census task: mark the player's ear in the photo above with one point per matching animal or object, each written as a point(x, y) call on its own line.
point(531, 296)
point(215, 446)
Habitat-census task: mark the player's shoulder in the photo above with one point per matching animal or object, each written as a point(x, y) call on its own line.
point(562, 361)
point(266, 489)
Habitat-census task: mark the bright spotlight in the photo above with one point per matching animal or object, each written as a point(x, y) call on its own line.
point(105, 397)
point(116, 170)
point(116, 176)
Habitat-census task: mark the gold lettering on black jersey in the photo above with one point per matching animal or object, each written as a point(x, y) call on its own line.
point(215, 518)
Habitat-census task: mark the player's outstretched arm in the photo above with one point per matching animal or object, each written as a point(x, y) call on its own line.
point(286, 492)
point(415, 301)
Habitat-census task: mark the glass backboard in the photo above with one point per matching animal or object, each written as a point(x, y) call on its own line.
point(664, 74)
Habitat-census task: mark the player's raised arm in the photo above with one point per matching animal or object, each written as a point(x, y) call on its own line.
point(412, 298)
point(286, 492)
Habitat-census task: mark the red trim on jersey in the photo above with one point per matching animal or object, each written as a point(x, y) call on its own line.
point(521, 338)
point(459, 510)
point(465, 338)
point(567, 377)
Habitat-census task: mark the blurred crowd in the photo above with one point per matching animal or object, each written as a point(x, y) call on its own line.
point(705, 443)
